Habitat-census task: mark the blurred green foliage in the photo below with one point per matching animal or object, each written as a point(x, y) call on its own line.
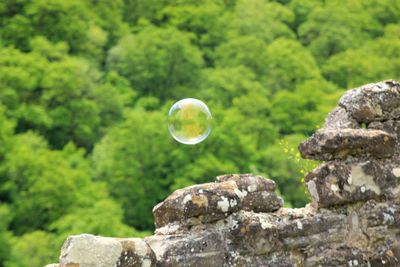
point(85, 87)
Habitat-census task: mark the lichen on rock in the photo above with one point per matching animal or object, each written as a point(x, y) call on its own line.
point(214, 201)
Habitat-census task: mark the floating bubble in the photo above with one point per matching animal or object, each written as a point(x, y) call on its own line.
point(189, 121)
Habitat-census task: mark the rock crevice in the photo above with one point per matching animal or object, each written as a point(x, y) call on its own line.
point(353, 218)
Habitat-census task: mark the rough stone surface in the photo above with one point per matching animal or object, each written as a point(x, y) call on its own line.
point(342, 143)
point(95, 251)
point(339, 118)
point(214, 201)
point(373, 102)
point(340, 182)
point(135, 252)
point(353, 219)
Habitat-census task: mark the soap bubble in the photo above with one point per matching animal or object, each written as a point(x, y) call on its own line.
point(189, 121)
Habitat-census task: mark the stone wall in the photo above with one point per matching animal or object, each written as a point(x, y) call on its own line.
point(352, 220)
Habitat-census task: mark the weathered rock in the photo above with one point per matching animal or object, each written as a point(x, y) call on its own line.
point(361, 234)
point(338, 182)
point(250, 239)
point(339, 118)
point(306, 237)
point(213, 201)
point(279, 259)
point(390, 126)
point(386, 253)
point(94, 251)
point(196, 248)
point(373, 102)
point(377, 215)
point(135, 252)
point(53, 265)
point(275, 233)
point(337, 256)
point(380, 223)
point(342, 143)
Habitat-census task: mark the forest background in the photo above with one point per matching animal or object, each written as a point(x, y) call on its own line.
point(85, 87)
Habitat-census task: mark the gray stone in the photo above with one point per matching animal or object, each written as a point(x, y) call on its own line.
point(95, 251)
point(339, 118)
point(373, 102)
point(337, 256)
point(90, 251)
point(342, 143)
point(214, 201)
point(244, 181)
point(278, 259)
point(135, 252)
point(195, 248)
point(306, 237)
point(390, 126)
point(386, 252)
point(338, 182)
point(280, 233)
point(360, 234)
point(375, 215)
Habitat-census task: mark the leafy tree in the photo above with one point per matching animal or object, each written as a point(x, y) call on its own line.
point(385, 11)
point(353, 67)
point(247, 51)
point(109, 16)
point(66, 99)
point(392, 31)
point(6, 132)
point(337, 26)
point(387, 47)
point(4, 234)
point(203, 18)
point(77, 102)
point(47, 49)
point(288, 64)
point(9, 8)
point(266, 20)
point(19, 77)
point(302, 110)
point(88, 27)
point(64, 20)
point(15, 30)
point(146, 9)
point(373, 61)
point(37, 193)
point(104, 217)
point(222, 85)
point(252, 108)
point(302, 10)
point(33, 249)
point(68, 90)
point(158, 62)
point(133, 159)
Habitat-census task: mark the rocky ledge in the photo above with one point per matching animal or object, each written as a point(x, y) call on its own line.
point(352, 220)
